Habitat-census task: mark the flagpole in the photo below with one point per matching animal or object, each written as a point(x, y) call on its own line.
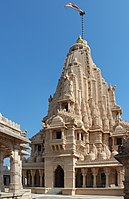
point(82, 15)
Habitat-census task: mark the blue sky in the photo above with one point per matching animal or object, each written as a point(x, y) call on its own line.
point(35, 36)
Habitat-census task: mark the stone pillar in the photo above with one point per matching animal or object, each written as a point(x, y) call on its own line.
point(113, 143)
point(32, 177)
point(29, 179)
point(15, 184)
point(20, 172)
point(84, 173)
point(69, 106)
point(23, 176)
point(107, 172)
point(49, 173)
point(120, 176)
point(80, 136)
point(41, 176)
point(69, 173)
point(69, 162)
point(1, 172)
point(62, 130)
point(94, 172)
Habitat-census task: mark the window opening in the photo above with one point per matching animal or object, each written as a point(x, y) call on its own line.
point(39, 147)
point(58, 135)
point(119, 141)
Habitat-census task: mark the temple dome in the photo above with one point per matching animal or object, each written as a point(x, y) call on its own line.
point(119, 129)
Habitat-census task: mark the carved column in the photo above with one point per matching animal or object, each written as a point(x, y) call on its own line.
point(23, 176)
point(15, 184)
point(120, 176)
point(32, 177)
point(41, 177)
point(20, 172)
point(84, 173)
point(94, 172)
point(1, 172)
point(69, 106)
point(62, 130)
point(79, 136)
point(69, 174)
point(107, 172)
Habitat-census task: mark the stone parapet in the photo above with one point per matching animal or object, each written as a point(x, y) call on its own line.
point(5, 121)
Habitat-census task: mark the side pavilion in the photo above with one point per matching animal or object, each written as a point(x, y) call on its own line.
point(13, 145)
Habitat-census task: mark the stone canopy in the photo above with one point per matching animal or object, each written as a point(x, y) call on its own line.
point(13, 145)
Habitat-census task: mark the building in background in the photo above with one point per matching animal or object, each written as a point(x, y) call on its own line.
point(6, 176)
point(81, 133)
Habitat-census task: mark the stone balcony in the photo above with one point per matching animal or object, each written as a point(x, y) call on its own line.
point(57, 144)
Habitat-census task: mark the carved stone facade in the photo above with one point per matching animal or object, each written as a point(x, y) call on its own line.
point(81, 132)
point(13, 146)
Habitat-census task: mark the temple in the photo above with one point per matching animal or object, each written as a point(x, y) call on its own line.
point(13, 145)
point(74, 151)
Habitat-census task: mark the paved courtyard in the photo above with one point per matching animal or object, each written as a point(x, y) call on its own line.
point(37, 196)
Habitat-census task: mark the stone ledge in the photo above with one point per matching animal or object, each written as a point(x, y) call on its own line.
point(68, 191)
point(100, 191)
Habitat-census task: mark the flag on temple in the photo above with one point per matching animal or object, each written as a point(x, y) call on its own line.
point(71, 5)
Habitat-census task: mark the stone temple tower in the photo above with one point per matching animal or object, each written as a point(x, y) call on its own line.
point(82, 130)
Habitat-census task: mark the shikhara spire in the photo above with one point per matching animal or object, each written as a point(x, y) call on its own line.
point(82, 13)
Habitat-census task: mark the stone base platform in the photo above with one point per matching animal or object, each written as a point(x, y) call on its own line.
point(100, 191)
point(81, 191)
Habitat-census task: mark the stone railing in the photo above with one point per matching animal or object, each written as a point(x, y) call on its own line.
point(9, 123)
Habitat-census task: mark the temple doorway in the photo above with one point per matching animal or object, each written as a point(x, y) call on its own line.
point(59, 177)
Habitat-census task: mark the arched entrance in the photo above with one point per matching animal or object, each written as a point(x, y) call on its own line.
point(59, 177)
